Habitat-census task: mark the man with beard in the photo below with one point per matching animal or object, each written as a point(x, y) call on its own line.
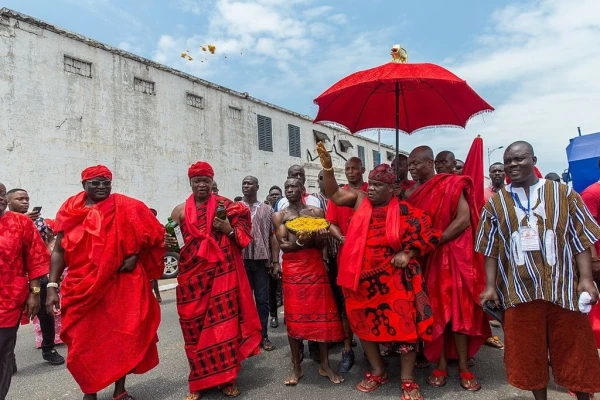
point(113, 247)
point(25, 260)
point(309, 307)
point(453, 273)
point(217, 313)
point(386, 300)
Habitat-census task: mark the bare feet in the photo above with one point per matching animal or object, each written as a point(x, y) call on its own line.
point(294, 377)
point(193, 396)
point(331, 374)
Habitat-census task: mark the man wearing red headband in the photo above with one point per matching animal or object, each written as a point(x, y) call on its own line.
point(453, 272)
point(386, 301)
point(113, 247)
point(216, 308)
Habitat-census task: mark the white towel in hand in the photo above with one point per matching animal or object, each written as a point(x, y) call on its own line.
point(585, 300)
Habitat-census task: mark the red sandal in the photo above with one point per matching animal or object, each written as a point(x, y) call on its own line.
point(469, 377)
point(365, 385)
point(437, 373)
point(124, 396)
point(407, 387)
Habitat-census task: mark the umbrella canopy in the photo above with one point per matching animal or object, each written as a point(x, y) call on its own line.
point(474, 169)
point(408, 97)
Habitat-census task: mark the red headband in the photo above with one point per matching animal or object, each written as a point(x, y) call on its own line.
point(96, 172)
point(201, 168)
point(383, 173)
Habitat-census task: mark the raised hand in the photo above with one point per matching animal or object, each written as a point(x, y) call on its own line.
point(324, 156)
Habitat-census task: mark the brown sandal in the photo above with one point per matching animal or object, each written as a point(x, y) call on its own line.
point(433, 378)
point(472, 384)
point(370, 379)
point(230, 390)
point(494, 341)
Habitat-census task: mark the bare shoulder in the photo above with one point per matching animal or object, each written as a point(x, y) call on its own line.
point(178, 213)
point(314, 211)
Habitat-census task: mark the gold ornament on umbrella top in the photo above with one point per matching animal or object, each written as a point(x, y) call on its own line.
point(399, 55)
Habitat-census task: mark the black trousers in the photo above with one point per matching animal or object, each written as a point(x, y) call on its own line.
point(274, 294)
point(46, 321)
point(258, 275)
point(8, 340)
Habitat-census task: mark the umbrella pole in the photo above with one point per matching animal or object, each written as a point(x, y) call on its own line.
point(397, 131)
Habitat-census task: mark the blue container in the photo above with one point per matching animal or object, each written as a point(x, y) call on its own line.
point(583, 153)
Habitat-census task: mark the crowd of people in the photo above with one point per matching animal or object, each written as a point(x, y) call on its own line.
point(417, 268)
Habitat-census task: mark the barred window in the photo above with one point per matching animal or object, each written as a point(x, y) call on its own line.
point(376, 161)
point(294, 141)
point(265, 133)
point(78, 67)
point(361, 154)
point(235, 113)
point(143, 86)
point(194, 101)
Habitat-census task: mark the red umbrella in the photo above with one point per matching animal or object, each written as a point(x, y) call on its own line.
point(401, 96)
point(474, 169)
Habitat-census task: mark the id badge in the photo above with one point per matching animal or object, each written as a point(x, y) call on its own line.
point(530, 238)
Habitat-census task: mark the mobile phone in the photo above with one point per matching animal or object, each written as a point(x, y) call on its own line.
point(37, 210)
point(496, 312)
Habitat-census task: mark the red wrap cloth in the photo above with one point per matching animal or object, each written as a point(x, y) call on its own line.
point(98, 171)
point(109, 318)
point(454, 273)
point(309, 306)
point(390, 304)
point(595, 320)
point(216, 308)
point(23, 256)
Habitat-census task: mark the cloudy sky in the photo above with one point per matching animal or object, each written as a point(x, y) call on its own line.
point(534, 61)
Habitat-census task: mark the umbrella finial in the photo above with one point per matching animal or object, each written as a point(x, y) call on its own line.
point(399, 55)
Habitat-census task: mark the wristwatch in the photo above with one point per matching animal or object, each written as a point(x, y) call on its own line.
point(34, 290)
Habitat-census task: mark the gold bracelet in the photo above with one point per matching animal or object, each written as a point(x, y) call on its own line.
point(328, 169)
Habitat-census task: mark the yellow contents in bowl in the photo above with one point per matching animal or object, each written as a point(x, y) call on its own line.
point(303, 227)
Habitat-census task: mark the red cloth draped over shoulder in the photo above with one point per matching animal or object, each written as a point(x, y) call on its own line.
point(454, 273)
point(217, 312)
point(109, 318)
point(389, 304)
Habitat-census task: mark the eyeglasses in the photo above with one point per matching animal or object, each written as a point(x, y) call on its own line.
point(97, 184)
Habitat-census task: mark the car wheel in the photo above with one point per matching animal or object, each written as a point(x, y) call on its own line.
point(171, 265)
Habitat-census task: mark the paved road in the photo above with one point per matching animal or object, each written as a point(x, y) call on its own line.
point(261, 377)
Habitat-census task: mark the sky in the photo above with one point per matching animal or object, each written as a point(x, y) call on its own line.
point(535, 62)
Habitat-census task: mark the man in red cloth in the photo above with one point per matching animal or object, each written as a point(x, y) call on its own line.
point(386, 300)
point(339, 219)
point(216, 308)
point(453, 273)
point(112, 246)
point(24, 260)
point(309, 307)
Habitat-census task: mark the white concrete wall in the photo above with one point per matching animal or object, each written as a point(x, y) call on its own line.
point(53, 124)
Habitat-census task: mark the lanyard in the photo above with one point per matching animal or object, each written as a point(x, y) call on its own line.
point(518, 202)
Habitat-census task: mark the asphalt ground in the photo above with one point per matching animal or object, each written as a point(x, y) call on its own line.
point(261, 377)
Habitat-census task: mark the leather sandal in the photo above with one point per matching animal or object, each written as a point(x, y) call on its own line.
point(433, 379)
point(371, 382)
point(407, 387)
point(472, 384)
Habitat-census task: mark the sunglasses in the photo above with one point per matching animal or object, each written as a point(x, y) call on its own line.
point(97, 183)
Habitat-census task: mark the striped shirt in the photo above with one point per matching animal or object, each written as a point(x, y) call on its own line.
point(260, 247)
point(332, 244)
point(565, 228)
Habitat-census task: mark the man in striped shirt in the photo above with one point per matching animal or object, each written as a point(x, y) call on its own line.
point(537, 234)
point(258, 253)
